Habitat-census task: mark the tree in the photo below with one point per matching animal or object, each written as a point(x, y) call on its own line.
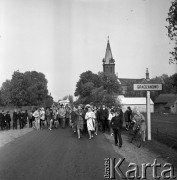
point(6, 93)
point(172, 29)
point(110, 83)
point(97, 89)
point(29, 88)
point(87, 82)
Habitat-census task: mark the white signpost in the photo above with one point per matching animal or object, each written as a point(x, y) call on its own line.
point(148, 88)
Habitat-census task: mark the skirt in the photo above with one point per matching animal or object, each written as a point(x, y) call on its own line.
point(90, 125)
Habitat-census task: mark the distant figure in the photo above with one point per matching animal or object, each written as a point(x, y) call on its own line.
point(62, 113)
point(111, 115)
point(42, 118)
point(128, 117)
point(79, 120)
point(48, 117)
point(15, 119)
point(67, 108)
point(74, 119)
point(2, 120)
point(8, 120)
point(96, 120)
point(36, 114)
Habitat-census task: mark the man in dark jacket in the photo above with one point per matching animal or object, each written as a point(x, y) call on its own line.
point(2, 120)
point(128, 117)
point(8, 120)
point(116, 125)
point(103, 117)
point(15, 119)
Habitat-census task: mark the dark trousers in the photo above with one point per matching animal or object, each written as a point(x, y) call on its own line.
point(3, 125)
point(8, 124)
point(30, 123)
point(14, 124)
point(21, 123)
point(117, 134)
point(67, 122)
point(103, 125)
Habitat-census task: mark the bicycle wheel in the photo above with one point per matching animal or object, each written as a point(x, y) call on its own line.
point(138, 139)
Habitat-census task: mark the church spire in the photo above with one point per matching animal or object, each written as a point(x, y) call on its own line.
point(108, 55)
point(108, 61)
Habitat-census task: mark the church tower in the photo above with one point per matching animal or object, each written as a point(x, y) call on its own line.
point(108, 61)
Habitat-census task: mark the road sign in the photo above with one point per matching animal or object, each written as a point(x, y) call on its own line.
point(147, 87)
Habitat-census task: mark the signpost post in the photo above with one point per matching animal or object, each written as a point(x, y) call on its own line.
point(147, 87)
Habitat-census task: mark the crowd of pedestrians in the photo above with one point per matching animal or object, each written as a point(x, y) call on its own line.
point(88, 119)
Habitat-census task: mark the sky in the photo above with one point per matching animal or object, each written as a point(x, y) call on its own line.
point(64, 38)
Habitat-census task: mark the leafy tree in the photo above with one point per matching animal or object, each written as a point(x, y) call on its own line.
point(97, 89)
point(29, 88)
point(86, 83)
point(6, 93)
point(172, 29)
point(110, 83)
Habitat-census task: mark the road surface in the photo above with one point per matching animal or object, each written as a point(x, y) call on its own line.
point(55, 155)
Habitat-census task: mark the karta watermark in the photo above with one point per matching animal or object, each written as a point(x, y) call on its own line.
point(134, 171)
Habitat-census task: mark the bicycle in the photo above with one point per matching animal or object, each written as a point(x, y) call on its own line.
point(137, 136)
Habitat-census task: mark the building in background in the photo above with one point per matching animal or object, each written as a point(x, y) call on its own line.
point(135, 103)
point(166, 103)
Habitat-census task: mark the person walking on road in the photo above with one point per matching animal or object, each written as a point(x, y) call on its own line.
point(103, 117)
point(79, 121)
point(48, 117)
point(43, 123)
point(110, 118)
point(128, 117)
point(67, 108)
point(8, 120)
point(74, 119)
point(96, 120)
point(116, 125)
point(2, 120)
point(90, 116)
point(140, 124)
point(36, 114)
point(15, 119)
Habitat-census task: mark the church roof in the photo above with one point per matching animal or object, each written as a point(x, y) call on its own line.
point(127, 81)
point(108, 55)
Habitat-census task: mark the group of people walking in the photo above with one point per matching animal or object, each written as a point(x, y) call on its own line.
point(82, 119)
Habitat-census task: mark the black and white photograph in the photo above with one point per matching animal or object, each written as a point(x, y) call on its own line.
point(88, 89)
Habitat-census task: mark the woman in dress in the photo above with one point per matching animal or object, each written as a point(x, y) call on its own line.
point(90, 116)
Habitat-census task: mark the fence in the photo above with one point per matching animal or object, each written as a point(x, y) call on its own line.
point(164, 137)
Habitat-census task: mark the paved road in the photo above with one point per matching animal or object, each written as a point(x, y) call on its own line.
point(55, 155)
